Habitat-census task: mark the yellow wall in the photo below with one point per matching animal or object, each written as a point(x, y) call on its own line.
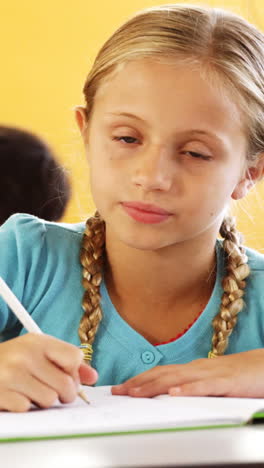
point(47, 48)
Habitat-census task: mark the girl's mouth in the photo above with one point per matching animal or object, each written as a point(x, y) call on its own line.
point(145, 213)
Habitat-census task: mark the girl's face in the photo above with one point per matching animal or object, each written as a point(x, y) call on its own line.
point(166, 154)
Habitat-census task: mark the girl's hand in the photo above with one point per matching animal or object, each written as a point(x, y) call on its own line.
point(40, 369)
point(235, 375)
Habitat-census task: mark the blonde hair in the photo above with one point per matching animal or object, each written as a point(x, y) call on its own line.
point(229, 49)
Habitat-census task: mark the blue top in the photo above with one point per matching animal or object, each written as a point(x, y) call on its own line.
point(40, 263)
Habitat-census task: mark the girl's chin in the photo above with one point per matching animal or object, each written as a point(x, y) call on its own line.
point(146, 244)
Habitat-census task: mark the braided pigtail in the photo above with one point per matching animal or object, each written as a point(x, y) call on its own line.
point(233, 285)
point(92, 258)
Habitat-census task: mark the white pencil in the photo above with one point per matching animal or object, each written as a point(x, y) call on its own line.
point(24, 317)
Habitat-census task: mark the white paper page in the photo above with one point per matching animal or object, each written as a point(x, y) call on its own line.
point(108, 413)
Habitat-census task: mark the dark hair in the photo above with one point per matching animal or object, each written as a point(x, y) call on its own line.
point(31, 179)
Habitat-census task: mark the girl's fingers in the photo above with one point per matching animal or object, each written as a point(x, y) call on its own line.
point(228, 387)
point(163, 377)
point(39, 393)
point(56, 379)
point(208, 387)
point(59, 384)
point(162, 385)
point(65, 355)
point(145, 378)
point(65, 386)
point(40, 369)
point(26, 391)
point(87, 374)
point(139, 380)
point(152, 388)
point(13, 401)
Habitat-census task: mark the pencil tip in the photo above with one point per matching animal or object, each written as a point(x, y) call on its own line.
point(83, 396)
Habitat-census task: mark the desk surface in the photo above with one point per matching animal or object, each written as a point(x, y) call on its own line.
point(243, 446)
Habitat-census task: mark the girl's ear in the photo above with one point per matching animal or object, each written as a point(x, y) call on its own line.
point(81, 119)
point(252, 175)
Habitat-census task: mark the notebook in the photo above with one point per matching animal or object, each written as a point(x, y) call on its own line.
point(108, 415)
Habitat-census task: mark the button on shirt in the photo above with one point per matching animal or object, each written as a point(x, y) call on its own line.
point(148, 357)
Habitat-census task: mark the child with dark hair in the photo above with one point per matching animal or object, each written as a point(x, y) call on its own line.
point(31, 179)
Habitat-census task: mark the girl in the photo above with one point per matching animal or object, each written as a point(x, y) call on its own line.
point(173, 129)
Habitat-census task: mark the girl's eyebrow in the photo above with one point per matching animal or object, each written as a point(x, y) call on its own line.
point(211, 135)
point(126, 114)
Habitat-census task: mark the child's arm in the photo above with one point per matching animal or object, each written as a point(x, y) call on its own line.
point(235, 375)
point(39, 369)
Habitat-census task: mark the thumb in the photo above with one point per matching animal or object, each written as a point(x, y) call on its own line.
point(87, 374)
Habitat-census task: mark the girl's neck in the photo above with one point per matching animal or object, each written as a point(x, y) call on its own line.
point(179, 274)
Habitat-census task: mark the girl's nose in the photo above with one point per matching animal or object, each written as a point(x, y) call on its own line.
point(153, 170)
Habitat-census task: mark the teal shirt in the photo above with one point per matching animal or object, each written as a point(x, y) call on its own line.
point(39, 260)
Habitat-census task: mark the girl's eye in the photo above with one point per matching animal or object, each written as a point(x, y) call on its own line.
point(198, 155)
point(126, 139)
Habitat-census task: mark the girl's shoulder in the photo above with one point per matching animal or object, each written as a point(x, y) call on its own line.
point(23, 221)
point(255, 259)
point(255, 281)
point(38, 259)
point(30, 230)
point(26, 240)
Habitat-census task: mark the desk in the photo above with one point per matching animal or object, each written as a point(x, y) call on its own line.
point(243, 445)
